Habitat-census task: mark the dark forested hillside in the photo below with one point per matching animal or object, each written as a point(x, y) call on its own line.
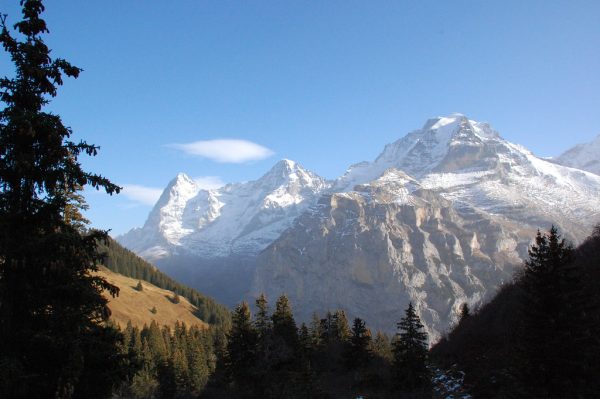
point(540, 336)
point(125, 262)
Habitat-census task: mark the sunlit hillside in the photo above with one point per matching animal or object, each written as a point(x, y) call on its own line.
point(138, 306)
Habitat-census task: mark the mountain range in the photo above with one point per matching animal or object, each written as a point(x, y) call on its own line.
point(441, 217)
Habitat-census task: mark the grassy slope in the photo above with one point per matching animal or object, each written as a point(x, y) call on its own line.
point(122, 261)
point(135, 305)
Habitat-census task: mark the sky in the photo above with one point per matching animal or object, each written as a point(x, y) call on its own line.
point(222, 90)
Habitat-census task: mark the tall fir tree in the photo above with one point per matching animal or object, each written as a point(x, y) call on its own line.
point(53, 339)
point(198, 368)
point(262, 320)
point(410, 352)
point(241, 350)
point(552, 342)
point(357, 350)
point(157, 344)
point(316, 331)
point(284, 325)
point(340, 327)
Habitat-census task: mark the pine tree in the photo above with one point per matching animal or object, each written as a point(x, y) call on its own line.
point(144, 385)
point(157, 344)
point(552, 342)
point(136, 344)
point(305, 341)
point(284, 325)
point(410, 352)
point(357, 350)
point(316, 333)
point(241, 349)
point(327, 328)
point(139, 286)
point(262, 320)
point(381, 346)
point(198, 367)
point(341, 329)
point(179, 365)
point(53, 340)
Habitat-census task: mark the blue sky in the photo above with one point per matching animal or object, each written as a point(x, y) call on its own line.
point(325, 83)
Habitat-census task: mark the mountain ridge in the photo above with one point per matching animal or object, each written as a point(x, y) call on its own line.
point(450, 195)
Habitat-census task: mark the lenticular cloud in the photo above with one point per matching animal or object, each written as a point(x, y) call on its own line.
point(225, 150)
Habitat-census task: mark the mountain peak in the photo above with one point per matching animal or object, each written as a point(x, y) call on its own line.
point(286, 172)
point(285, 165)
point(181, 186)
point(422, 150)
point(445, 143)
point(181, 179)
point(583, 156)
point(451, 121)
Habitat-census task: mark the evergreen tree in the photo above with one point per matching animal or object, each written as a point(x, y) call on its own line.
point(241, 349)
point(262, 320)
point(341, 329)
point(180, 371)
point(53, 340)
point(144, 385)
point(139, 286)
point(552, 338)
point(381, 346)
point(316, 333)
point(305, 340)
point(136, 344)
point(198, 367)
point(410, 352)
point(357, 351)
point(284, 325)
point(327, 328)
point(157, 344)
point(127, 337)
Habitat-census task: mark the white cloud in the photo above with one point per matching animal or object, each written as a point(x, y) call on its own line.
point(141, 194)
point(225, 150)
point(209, 182)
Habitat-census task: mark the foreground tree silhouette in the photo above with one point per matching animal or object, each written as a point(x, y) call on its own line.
point(241, 351)
point(53, 342)
point(357, 350)
point(410, 352)
point(553, 338)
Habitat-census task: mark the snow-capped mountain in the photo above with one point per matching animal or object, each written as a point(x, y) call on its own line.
point(470, 164)
point(582, 156)
point(237, 219)
point(442, 216)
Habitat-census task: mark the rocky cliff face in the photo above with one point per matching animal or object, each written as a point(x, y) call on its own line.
point(372, 250)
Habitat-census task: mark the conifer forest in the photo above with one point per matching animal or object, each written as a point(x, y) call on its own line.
point(538, 336)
